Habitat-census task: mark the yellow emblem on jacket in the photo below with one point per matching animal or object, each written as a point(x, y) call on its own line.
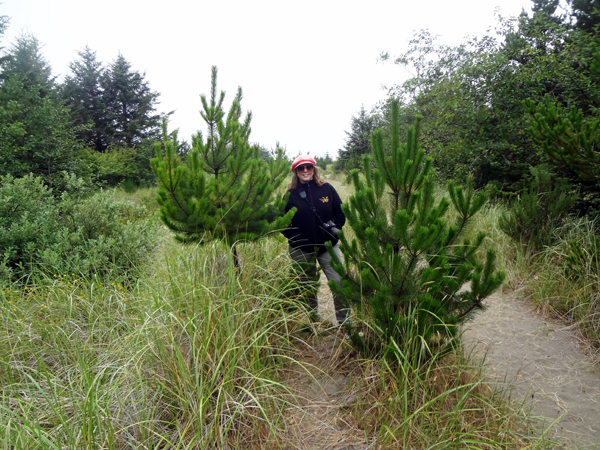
point(324, 199)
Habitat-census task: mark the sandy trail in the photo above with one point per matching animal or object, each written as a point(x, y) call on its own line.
point(322, 394)
point(542, 362)
point(539, 361)
point(322, 391)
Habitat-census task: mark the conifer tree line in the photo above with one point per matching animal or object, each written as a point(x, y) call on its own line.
point(115, 101)
point(99, 122)
point(358, 141)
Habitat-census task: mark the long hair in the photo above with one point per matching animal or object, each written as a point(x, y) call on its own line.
point(316, 178)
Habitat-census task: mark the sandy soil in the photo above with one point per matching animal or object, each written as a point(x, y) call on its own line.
point(539, 362)
point(322, 391)
point(542, 362)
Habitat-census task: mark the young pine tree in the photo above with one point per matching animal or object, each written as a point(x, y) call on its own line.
point(540, 209)
point(567, 138)
point(410, 275)
point(224, 190)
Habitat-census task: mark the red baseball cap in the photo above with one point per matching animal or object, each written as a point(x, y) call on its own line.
point(303, 159)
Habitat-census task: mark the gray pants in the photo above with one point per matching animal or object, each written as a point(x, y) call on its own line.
point(307, 261)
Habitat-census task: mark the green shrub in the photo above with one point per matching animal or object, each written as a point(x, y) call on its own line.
point(531, 219)
point(567, 277)
point(90, 236)
point(117, 164)
point(28, 222)
point(129, 186)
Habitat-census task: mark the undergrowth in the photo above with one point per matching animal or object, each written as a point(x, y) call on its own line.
point(567, 280)
point(194, 356)
point(187, 359)
point(445, 404)
point(562, 279)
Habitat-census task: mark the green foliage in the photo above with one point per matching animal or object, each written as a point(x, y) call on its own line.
point(324, 161)
point(407, 270)
point(464, 94)
point(115, 103)
point(532, 218)
point(224, 190)
point(115, 165)
point(358, 141)
point(37, 135)
point(28, 222)
point(115, 114)
point(102, 236)
point(566, 138)
point(471, 95)
point(545, 7)
point(265, 153)
point(26, 62)
point(565, 278)
point(129, 104)
point(129, 186)
point(90, 236)
point(586, 14)
point(583, 261)
point(83, 94)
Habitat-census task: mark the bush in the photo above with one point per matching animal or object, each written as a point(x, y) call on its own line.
point(531, 220)
point(128, 186)
point(121, 164)
point(28, 222)
point(90, 236)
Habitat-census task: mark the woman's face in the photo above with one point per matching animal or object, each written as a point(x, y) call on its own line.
point(305, 172)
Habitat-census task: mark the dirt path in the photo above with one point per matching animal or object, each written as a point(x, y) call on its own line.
point(540, 362)
point(543, 362)
point(322, 393)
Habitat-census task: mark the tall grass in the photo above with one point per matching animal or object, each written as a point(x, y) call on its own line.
point(186, 359)
point(145, 196)
point(194, 356)
point(569, 287)
point(445, 404)
point(560, 287)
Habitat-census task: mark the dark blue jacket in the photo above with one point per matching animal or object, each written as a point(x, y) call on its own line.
point(305, 230)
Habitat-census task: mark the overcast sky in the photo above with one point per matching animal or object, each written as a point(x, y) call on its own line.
point(305, 67)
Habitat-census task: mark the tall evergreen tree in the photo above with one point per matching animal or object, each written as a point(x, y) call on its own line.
point(26, 62)
point(586, 13)
point(410, 275)
point(358, 141)
point(224, 190)
point(4, 21)
point(37, 134)
point(130, 105)
point(83, 94)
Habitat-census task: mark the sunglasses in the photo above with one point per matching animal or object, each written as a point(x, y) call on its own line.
point(304, 167)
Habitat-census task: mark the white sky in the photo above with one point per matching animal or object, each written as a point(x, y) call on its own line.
point(305, 67)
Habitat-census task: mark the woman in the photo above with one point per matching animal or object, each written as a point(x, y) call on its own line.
point(317, 220)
